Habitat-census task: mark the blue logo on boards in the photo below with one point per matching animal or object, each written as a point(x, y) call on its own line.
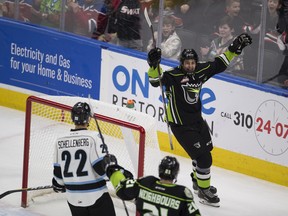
point(128, 81)
point(131, 82)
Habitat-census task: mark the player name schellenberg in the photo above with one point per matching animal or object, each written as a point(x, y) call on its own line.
point(159, 199)
point(73, 143)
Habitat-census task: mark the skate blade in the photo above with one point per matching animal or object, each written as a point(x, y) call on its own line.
point(196, 192)
point(204, 202)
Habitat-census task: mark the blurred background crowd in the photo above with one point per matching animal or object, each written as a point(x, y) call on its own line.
point(208, 26)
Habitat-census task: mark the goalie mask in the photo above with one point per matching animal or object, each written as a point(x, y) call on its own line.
point(169, 168)
point(80, 113)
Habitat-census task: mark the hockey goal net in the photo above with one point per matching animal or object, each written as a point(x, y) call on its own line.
point(129, 134)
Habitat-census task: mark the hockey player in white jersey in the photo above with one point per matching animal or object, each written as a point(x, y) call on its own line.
point(78, 167)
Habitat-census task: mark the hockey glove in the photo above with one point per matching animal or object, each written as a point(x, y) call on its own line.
point(109, 160)
point(57, 187)
point(239, 43)
point(154, 57)
point(113, 168)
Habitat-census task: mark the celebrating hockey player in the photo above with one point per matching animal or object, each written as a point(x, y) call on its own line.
point(183, 86)
point(153, 196)
point(78, 167)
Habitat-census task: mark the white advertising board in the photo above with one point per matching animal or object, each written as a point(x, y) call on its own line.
point(125, 77)
point(249, 121)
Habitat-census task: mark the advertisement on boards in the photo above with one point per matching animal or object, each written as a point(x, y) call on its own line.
point(125, 78)
point(49, 62)
point(241, 119)
point(249, 121)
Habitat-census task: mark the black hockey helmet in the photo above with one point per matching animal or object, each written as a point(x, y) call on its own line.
point(168, 168)
point(80, 113)
point(188, 54)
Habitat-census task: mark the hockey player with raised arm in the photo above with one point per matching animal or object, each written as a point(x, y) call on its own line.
point(154, 196)
point(78, 167)
point(183, 86)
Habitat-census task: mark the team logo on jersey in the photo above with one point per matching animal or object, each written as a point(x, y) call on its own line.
point(185, 79)
point(197, 145)
point(191, 92)
point(188, 193)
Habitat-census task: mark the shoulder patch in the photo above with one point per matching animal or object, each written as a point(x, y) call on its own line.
point(188, 193)
point(169, 70)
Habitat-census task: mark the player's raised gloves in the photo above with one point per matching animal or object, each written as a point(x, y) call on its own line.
point(57, 187)
point(239, 43)
point(154, 57)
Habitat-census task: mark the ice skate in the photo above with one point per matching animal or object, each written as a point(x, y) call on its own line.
point(196, 188)
point(207, 197)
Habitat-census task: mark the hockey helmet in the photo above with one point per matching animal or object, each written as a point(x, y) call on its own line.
point(169, 168)
point(188, 54)
point(80, 113)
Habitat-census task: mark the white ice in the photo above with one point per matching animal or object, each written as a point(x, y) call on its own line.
point(239, 194)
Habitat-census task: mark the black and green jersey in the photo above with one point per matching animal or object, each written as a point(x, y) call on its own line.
point(183, 90)
point(155, 198)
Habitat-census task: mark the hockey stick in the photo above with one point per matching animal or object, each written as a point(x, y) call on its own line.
point(159, 77)
point(103, 142)
point(25, 189)
point(271, 78)
point(105, 148)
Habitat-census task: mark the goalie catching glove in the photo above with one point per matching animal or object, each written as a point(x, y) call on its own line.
point(239, 43)
point(57, 187)
point(154, 57)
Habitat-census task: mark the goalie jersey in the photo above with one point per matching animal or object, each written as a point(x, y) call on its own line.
point(155, 198)
point(78, 166)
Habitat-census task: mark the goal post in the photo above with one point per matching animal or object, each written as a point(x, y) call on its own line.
point(130, 135)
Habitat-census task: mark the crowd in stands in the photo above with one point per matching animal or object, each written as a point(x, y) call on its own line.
point(208, 26)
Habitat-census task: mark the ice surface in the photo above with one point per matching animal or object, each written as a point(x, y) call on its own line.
point(240, 195)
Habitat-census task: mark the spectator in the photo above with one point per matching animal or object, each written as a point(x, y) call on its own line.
point(212, 13)
point(79, 171)
point(121, 22)
point(273, 44)
point(171, 43)
point(240, 25)
point(282, 28)
point(51, 10)
point(28, 10)
point(149, 190)
point(271, 35)
point(220, 45)
point(83, 16)
point(169, 10)
point(282, 24)
point(273, 6)
point(191, 13)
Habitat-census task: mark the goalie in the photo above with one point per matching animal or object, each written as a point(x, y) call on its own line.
point(153, 196)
